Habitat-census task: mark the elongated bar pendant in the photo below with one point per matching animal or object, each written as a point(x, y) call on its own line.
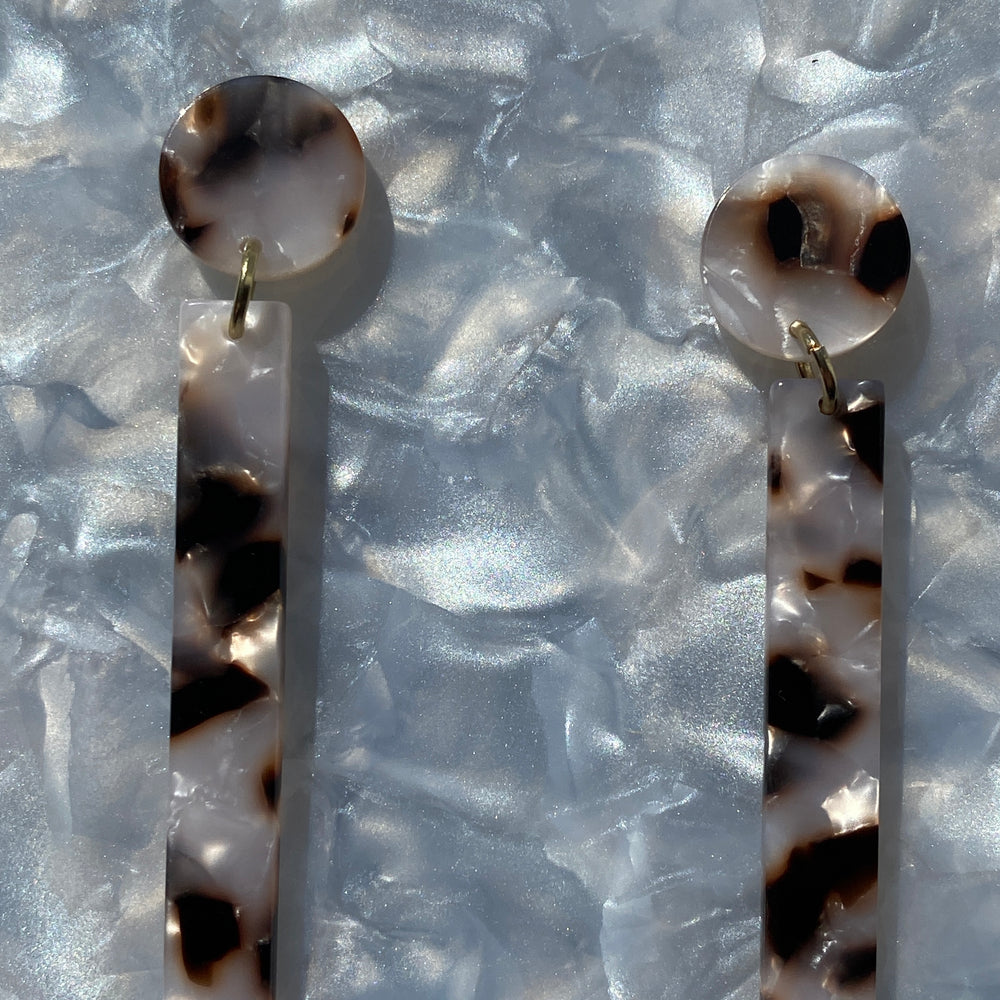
point(226, 677)
point(824, 609)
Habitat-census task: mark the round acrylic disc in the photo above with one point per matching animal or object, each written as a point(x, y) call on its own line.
point(808, 238)
point(266, 157)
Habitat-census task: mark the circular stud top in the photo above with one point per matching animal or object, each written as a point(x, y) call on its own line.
point(263, 157)
point(807, 238)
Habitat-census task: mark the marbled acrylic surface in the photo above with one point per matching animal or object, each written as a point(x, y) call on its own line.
point(528, 511)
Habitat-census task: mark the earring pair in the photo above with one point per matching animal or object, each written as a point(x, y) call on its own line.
point(803, 258)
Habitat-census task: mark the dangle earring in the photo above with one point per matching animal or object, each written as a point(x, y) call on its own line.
point(803, 258)
point(261, 177)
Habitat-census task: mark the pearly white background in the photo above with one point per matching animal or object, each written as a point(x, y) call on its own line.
point(526, 569)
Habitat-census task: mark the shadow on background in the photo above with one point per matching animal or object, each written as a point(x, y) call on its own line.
point(896, 597)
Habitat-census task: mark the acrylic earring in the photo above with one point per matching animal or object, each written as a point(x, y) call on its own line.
point(803, 258)
point(261, 177)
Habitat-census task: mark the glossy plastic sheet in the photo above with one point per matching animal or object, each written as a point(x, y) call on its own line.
point(526, 597)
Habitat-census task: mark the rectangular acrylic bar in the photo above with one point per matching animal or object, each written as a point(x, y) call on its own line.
point(226, 675)
point(824, 611)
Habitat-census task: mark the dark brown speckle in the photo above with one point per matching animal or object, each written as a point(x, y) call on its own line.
point(797, 703)
point(865, 435)
point(207, 697)
point(251, 574)
point(863, 573)
point(846, 865)
point(785, 229)
point(886, 256)
point(209, 932)
point(774, 472)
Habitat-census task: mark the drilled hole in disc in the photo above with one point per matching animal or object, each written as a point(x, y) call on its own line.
point(810, 238)
point(267, 157)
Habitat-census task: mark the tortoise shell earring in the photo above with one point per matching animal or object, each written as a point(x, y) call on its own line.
point(803, 258)
point(260, 177)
